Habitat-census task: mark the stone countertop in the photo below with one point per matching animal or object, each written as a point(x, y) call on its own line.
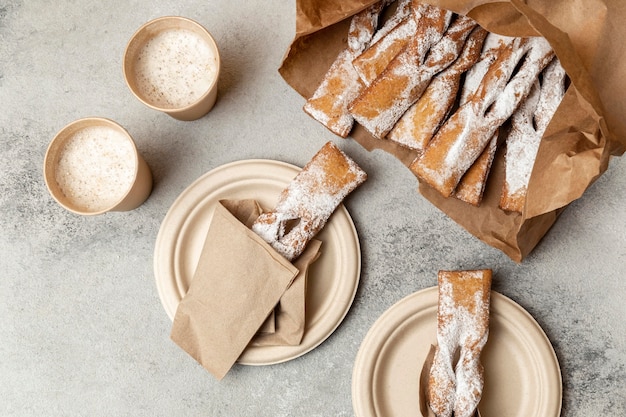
point(83, 331)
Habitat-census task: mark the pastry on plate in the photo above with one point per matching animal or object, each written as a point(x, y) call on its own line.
point(308, 201)
point(455, 385)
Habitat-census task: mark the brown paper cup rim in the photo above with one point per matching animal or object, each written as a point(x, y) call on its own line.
point(205, 102)
point(51, 159)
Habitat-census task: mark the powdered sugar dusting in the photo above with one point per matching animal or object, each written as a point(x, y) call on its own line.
point(472, 184)
point(465, 134)
point(309, 200)
point(528, 125)
point(341, 84)
point(375, 59)
point(463, 326)
point(382, 104)
point(329, 103)
point(420, 122)
point(493, 43)
point(539, 55)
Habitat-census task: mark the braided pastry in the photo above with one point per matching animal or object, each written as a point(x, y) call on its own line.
point(420, 122)
point(382, 103)
point(388, 41)
point(341, 84)
point(528, 124)
point(303, 208)
point(465, 134)
point(463, 329)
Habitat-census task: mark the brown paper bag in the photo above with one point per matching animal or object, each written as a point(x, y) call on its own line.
point(237, 284)
point(588, 128)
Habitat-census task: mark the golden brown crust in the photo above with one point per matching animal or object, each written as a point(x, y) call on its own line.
point(421, 121)
point(472, 185)
point(463, 329)
point(392, 39)
point(465, 134)
point(381, 104)
point(341, 84)
point(304, 207)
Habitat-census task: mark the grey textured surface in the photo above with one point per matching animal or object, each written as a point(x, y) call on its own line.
point(82, 329)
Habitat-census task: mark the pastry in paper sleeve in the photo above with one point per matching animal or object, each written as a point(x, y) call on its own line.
point(341, 84)
point(584, 132)
point(242, 281)
point(304, 207)
point(455, 385)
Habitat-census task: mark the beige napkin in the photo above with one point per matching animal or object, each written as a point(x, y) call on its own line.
point(238, 282)
point(288, 320)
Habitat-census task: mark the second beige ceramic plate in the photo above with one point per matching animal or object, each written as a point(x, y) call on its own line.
point(522, 374)
point(333, 278)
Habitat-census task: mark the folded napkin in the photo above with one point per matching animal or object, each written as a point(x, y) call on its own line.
point(288, 318)
point(238, 282)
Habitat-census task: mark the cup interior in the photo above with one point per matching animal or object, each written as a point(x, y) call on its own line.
point(86, 175)
point(171, 38)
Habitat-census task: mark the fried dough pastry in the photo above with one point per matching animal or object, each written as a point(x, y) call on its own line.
point(341, 84)
point(528, 124)
point(463, 328)
point(420, 122)
point(472, 185)
point(389, 41)
point(381, 104)
point(303, 208)
point(463, 137)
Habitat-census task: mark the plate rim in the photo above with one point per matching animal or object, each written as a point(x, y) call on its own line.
point(166, 229)
point(362, 392)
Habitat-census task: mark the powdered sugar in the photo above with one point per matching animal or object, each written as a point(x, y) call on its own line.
point(329, 103)
point(528, 125)
point(463, 325)
point(309, 200)
point(382, 104)
point(465, 134)
point(403, 9)
point(340, 85)
point(362, 28)
point(420, 122)
point(371, 63)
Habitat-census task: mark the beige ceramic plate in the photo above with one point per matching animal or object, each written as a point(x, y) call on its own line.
point(333, 278)
point(522, 374)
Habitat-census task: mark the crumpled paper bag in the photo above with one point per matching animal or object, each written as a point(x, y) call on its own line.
point(237, 284)
point(588, 128)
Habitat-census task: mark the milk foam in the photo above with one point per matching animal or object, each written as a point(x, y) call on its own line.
point(96, 168)
point(175, 68)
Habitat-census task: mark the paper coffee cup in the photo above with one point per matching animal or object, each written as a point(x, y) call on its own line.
point(92, 166)
point(172, 64)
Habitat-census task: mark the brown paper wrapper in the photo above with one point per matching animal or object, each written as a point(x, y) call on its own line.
point(424, 377)
point(588, 128)
point(237, 284)
point(288, 318)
